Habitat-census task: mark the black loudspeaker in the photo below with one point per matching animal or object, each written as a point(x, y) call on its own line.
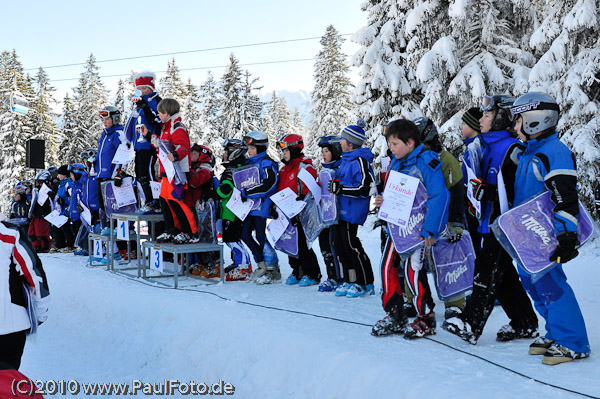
point(36, 154)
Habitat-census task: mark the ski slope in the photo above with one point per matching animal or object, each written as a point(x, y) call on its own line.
point(283, 341)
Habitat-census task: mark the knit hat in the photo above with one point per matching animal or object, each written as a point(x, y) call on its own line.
point(63, 170)
point(471, 118)
point(145, 78)
point(355, 134)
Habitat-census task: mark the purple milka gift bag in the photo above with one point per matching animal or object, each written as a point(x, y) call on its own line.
point(329, 208)
point(454, 266)
point(407, 239)
point(288, 242)
point(245, 178)
point(110, 202)
point(526, 232)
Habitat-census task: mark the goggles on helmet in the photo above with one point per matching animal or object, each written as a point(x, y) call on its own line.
point(231, 142)
point(284, 144)
point(104, 114)
point(487, 104)
point(326, 140)
point(516, 111)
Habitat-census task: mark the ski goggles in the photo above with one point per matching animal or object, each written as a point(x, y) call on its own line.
point(231, 143)
point(76, 168)
point(88, 154)
point(487, 104)
point(104, 114)
point(247, 140)
point(516, 111)
point(285, 145)
point(326, 140)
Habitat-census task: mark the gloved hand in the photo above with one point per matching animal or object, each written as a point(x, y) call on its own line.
point(472, 211)
point(379, 223)
point(141, 103)
point(300, 197)
point(567, 247)
point(273, 212)
point(244, 195)
point(334, 186)
point(455, 231)
point(295, 221)
point(479, 188)
point(118, 181)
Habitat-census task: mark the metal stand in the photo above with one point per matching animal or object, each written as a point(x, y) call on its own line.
point(91, 238)
point(180, 254)
point(137, 219)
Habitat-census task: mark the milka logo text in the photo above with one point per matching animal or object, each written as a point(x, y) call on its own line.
point(249, 183)
point(531, 224)
point(413, 221)
point(453, 276)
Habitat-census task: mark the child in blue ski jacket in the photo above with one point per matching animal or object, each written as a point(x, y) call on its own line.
point(547, 164)
point(354, 185)
point(257, 143)
point(145, 153)
point(495, 275)
point(411, 158)
point(330, 239)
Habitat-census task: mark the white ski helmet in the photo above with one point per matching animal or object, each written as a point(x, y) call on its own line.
point(538, 110)
point(110, 112)
point(256, 138)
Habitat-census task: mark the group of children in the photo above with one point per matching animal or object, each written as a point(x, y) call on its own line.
point(532, 163)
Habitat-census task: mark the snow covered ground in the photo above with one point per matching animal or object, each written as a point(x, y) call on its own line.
point(279, 341)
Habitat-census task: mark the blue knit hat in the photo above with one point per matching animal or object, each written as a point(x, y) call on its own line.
point(355, 134)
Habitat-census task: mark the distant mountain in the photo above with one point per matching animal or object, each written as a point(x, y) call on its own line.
point(294, 99)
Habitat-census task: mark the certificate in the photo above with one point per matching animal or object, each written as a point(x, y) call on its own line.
point(398, 198)
point(86, 215)
point(125, 195)
point(167, 164)
point(43, 194)
point(124, 154)
point(276, 227)
point(56, 219)
point(286, 201)
point(476, 204)
point(235, 204)
point(311, 183)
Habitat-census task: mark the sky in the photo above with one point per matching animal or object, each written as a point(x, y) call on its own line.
point(67, 32)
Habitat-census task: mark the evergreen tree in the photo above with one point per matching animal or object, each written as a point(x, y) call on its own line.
point(281, 117)
point(567, 47)
point(230, 122)
point(171, 85)
point(251, 107)
point(208, 96)
point(387, 89)
point(43, 118)
point(15, 128)
point(88, 98)
point(73, 143)
point(331, 105)
point(191, 115)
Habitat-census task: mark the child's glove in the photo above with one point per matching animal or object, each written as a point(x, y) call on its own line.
point(334, 186)
point(479, 188)
point(244, 195)
point(118, 181)
point(567, 247)
point(455, 231)
point(471, 209)
point(300, 197)
point(295, 221)
point(273, 212)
